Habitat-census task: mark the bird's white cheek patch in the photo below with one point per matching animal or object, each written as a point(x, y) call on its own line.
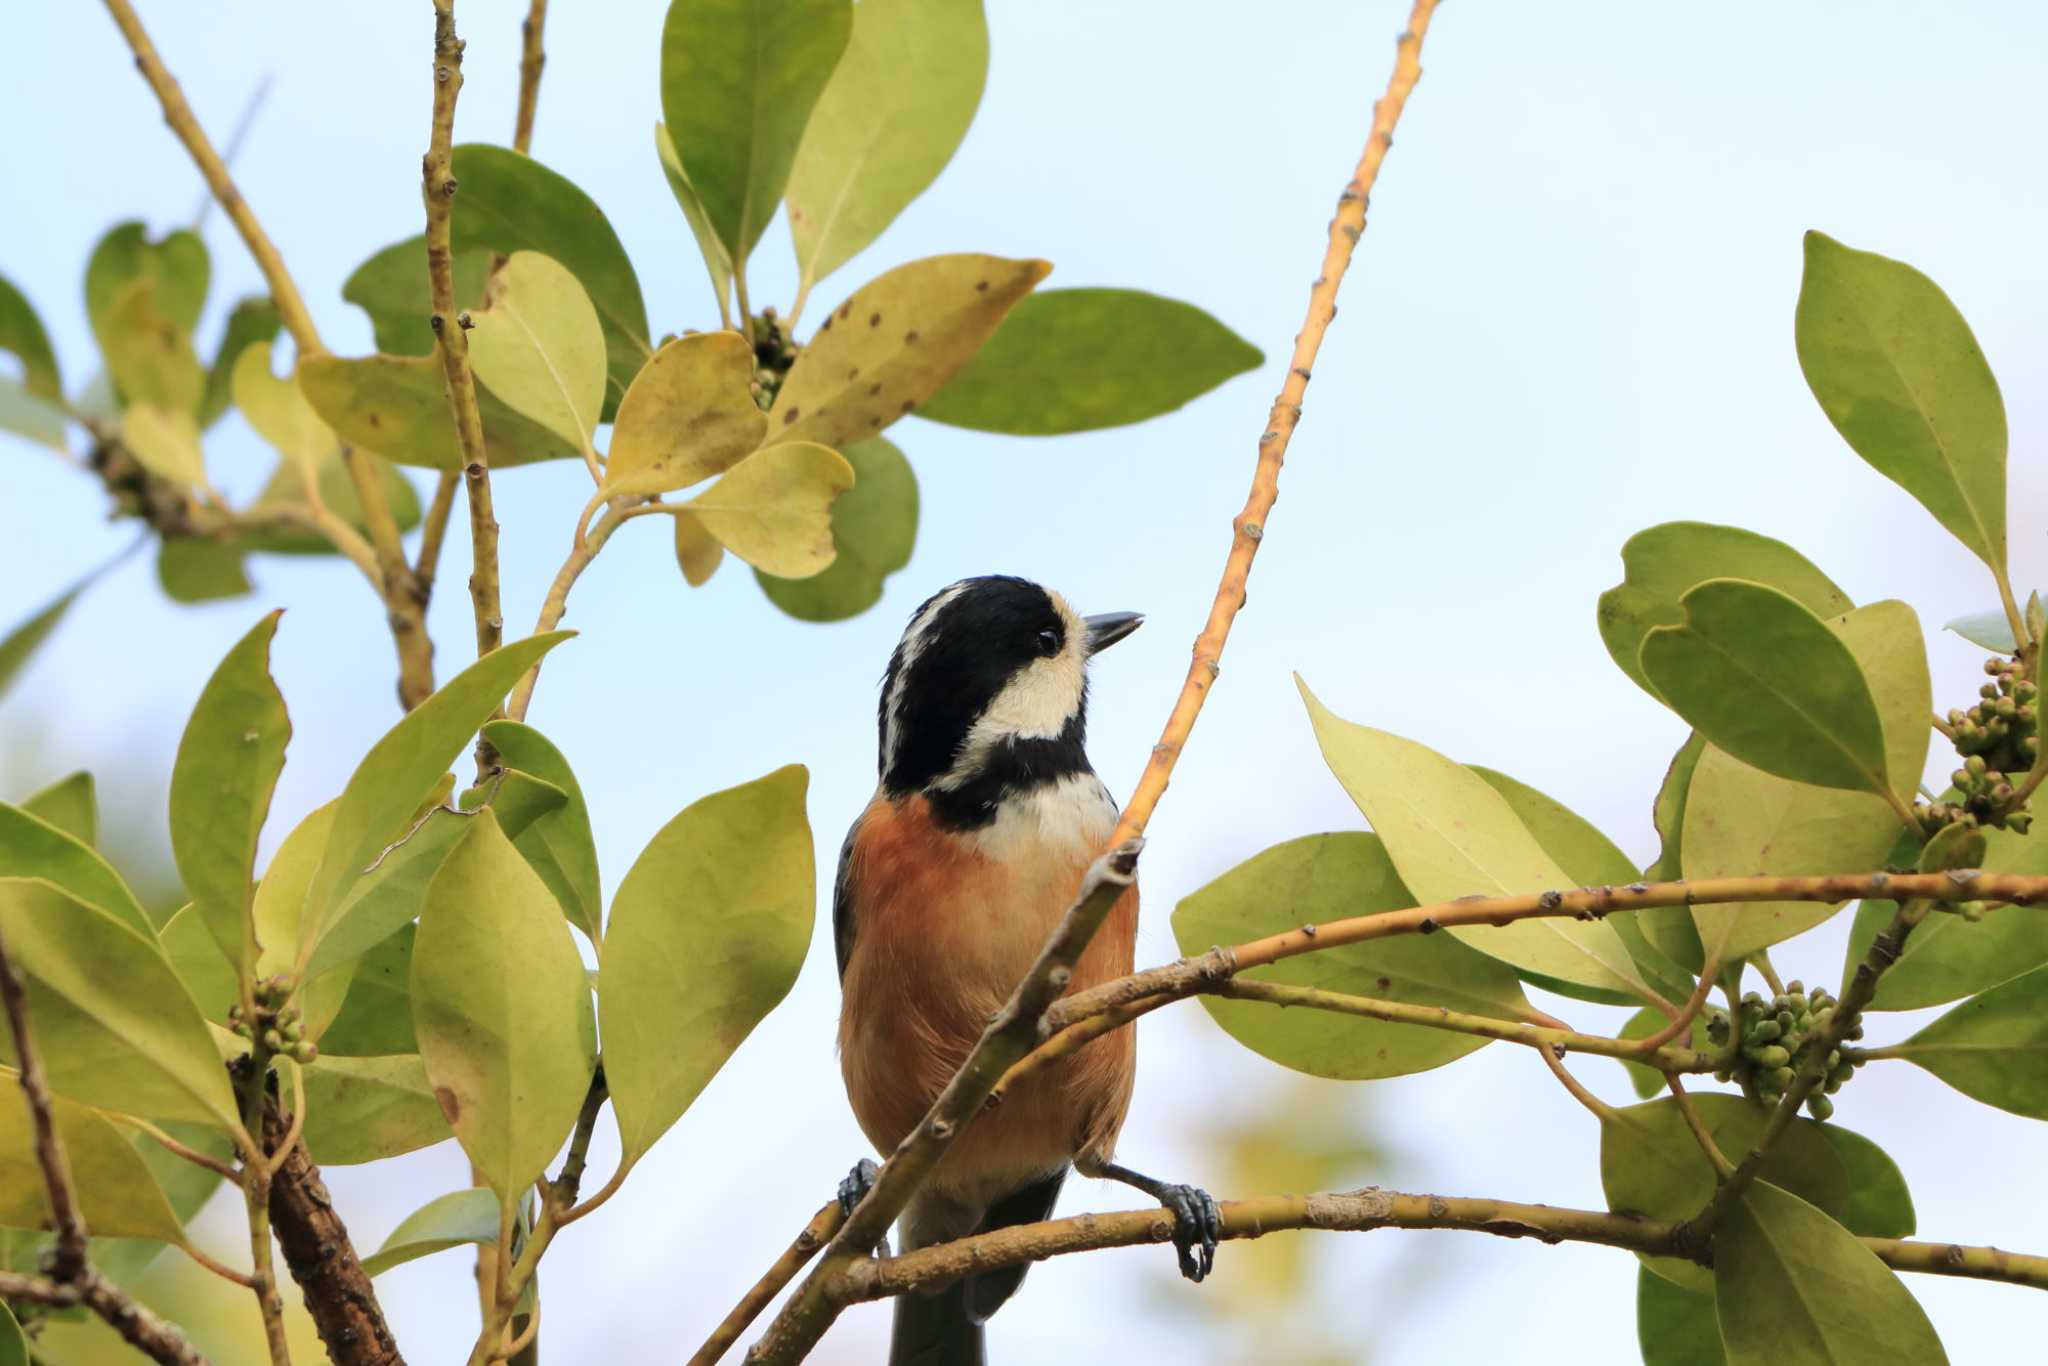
point(1037, 703)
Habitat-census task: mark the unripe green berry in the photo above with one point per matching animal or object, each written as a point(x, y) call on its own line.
point(1772, 1055)
point(1787, 1021)
point(1820, 1107)
point(1780, 1078)
point(1766, 1031)
point(304, 1052)
point(273, 1041)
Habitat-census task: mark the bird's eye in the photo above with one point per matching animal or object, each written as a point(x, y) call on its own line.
point(1048, 643)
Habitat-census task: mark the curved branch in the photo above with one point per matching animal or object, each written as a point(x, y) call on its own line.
point(1363, 1211)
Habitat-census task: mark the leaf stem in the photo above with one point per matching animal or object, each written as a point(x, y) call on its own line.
point(1553, 1059)
point(177, 1149)
point(1723, 1168)
point(1681, 1023)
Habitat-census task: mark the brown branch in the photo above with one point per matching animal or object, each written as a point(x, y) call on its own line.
point(404, 608)
point(1249, 527)
point(323, 1261)
point(1812, 1062)
point(437, 187)
point(1363, 1211)
point(1013, 1032)
point(531, 59)
point(72, 1279)
point(805, 1246)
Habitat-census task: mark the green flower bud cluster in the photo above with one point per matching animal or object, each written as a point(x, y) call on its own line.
point(1998, 737)
point(278, 1025)
point(774, 352)
point(1774, 1032)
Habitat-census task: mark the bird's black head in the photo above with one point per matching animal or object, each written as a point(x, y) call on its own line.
point(987, 694)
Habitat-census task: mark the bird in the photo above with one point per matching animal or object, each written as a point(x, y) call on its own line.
point(985, 817)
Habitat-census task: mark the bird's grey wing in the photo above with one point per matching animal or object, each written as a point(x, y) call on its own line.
point(843, 926)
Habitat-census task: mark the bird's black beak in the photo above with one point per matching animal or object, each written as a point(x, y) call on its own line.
point(1110, 627)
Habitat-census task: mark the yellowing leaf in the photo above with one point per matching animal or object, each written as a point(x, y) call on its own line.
point(117, 1195)
point(897, 106)
point(539, 346)
point(874, 529)
point(698, 552)
point(150, 354)
point(165, 442)
point(774, 509)
point(1451, 835)
point(368, 1109)
point(688, 415)
point(894, 343)
point(279, 412)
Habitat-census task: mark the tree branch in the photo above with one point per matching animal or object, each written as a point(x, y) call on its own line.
point(1362, 1211)
point(405, 609)
point(805, 1246)
point(438, 190)
point(72, 1279)
point(1248, 530)
point(323, 1260)
point(532, 59)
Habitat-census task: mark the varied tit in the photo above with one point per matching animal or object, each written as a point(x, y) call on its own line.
point(973, 847)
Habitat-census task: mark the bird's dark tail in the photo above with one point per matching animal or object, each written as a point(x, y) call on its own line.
point(945, 1329)
point(936, 1330)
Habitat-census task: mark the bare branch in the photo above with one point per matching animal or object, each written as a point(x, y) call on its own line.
point(532, 58)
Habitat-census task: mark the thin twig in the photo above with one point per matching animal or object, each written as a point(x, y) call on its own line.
point(192, 1155)
point(218, 1268)
point(1554, 1060)
point(532, 58)
point(581, 552)
point(434, 529)
point(1681, 1023)
point(1363, 1211)
point(805, 1246)
point(236, 137)
point(256, 1181)
point(438, 189)
point(1723, 1168)
point(72, 1277)
point(1249, 528)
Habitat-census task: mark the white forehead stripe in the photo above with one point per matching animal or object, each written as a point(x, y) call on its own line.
point(907, 651)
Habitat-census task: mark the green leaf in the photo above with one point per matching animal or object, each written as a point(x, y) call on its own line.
point(1675, 1327)
point(196, 959)
point(164, 442)
point(1794, 1288)
point(1898, 372)
point(1450, 835)
point(874, 527)
point(397, 406)
point(559, 844)
point(400, 771)
point(69, 805)
point(539, 347)
point(1651, 1165)
point(451, 1220)
point(1948, 957)
point(1740, 822)
point(738, 81)
point(13, 1342)
point(513, 203)
point(716, 263)
point(688, 416)
point(194, 570)
point(178, 265)
point(1077, 360)
point(227, 768)
point(253, 322)
point(1762, 677)
point(1589, 859)
point(286, 488)
point(24, 640)
point(1878, 1204)
point(698, 553)
point(1885, 638)
point(890, 119)
point(774, 508)
point(1662, 564)
point(117, 1194)
point(22, 336)
point(33, 405)
point(280, 413)
point(706, 937)
point(895, 343)
point(1327, 877)
point(1670, 928)
point(1993, 1047)
point(1992, 630)
point(392, 287)
point(116, 1027)
point(281, 910)
point(1648, 1082)
point(376, 1017)
point(32, 847)
point(367, 1109)
point(502, 1010)
point(149, 354)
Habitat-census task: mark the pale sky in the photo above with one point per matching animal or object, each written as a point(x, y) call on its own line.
point(1570, 319)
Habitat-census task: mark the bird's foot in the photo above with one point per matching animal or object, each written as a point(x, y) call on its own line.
point(854, 1189)
point(1197, 1221)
